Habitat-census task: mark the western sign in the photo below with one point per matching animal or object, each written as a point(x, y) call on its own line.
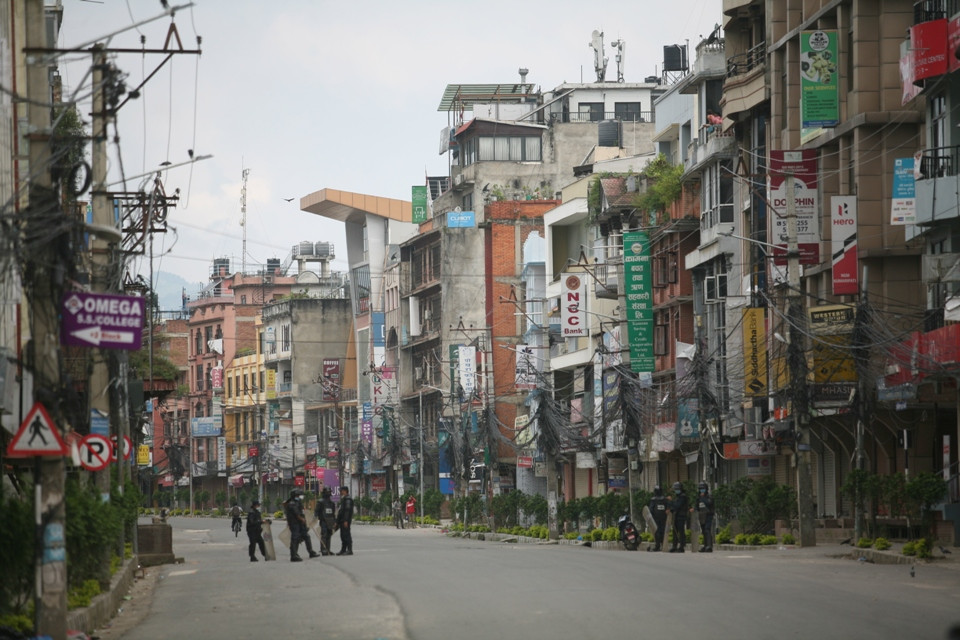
point(101, 320)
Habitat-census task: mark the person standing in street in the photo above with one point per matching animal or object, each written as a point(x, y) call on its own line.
point(344, 518)
point(679, 507)
point(705, 512)
point(658, 511)
point(293, 510)
point(397, 514)
point(411, 510)
point(326, 512)
point(255, 531)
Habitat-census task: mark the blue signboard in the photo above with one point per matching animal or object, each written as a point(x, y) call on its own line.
point(205, 427)
point(379, 332)
point(461, 219)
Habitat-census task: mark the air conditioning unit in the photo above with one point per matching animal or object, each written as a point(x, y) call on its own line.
point(459, 180)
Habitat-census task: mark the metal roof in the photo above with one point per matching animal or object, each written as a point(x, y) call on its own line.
point(456, 96)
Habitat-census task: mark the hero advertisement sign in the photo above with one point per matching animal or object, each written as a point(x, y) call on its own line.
point(101, 320)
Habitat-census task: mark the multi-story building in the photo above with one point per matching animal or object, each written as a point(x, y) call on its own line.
point(374, 226)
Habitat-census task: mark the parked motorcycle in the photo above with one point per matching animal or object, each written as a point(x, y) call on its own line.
point(629, 535)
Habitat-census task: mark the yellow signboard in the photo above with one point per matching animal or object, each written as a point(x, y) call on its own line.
point(271, 384)
point(754, 353)
point(143, 455)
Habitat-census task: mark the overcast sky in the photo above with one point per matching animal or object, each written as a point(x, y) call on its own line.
point(314, 94)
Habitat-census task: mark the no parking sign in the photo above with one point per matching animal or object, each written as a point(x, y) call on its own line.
point(95, 452)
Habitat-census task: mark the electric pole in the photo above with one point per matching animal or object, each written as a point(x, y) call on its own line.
point(798, 382)
point(43, 291)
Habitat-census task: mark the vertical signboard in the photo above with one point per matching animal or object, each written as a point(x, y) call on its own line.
point(843, 244)
point(573, 306)
point(754, 353)
point(331, 379)
point(819, 80)
point(639, 299)
point(903, 205)
point(526, 371)
point(802, 165)
point(418, 204)
point(468, 372)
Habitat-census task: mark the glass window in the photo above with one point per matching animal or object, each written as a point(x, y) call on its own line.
point(532, 149)
point(627, 111)
point(485, 150)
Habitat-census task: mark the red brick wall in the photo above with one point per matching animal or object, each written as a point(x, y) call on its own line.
point(509, 223)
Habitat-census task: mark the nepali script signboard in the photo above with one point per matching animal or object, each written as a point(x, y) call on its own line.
point(639, 299)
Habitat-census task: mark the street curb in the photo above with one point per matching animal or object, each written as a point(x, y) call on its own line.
point(104, 606)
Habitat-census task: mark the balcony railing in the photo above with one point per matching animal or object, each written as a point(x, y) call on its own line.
point(642, 116)
point(939, 162)
point(929, 10)
point(743, 63)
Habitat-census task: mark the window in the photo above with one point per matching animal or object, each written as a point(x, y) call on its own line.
point(285, 338)
point(208, 336)
point(660, 271)
point(199, 377)
point(198, 344)
point(591, 111)
point(502, 148)
point(627, 111)
point(661, 336)
point(230, 387)
point(673, 267)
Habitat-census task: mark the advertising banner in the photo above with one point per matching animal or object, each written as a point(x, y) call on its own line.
point(843, 244)
point(755, 353)
point(526, 370)
point(819, 80)
point(331, 379)
point(928, 40)
point(639, 299)
point(802, 166)
point(467, 363)
point(573, 306)
point(418, 204)
point(903, 205)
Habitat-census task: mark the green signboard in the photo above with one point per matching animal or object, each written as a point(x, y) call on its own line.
point(638, 290)
point(418, 200)
point(819, 79)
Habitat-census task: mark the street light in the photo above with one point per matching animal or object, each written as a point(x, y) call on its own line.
point(420, 425)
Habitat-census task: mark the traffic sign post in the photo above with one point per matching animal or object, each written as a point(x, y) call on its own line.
point(37, 436)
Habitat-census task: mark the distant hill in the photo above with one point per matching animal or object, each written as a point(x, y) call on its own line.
point(170, 288)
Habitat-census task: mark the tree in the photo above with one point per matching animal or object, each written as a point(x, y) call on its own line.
point(664, 186)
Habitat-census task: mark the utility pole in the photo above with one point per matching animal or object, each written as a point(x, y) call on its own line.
point(798, 382)
point(43, 349)
point(861, 361)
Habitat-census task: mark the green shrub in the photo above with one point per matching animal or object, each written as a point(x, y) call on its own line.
point(724, 535)
point(571, 535)
point(789, 539)
point(754, 539)
point(881, 544)
point(82, 595)
point(741, 539)
point(768, 540)
point(18, 622)
point(864, 543)
point(646, 536)
point(278, 514)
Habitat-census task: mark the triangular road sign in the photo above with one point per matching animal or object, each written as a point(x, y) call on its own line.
point(38, 436)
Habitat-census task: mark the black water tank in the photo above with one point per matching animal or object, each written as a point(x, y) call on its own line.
point(675, 57)
point(608, 133)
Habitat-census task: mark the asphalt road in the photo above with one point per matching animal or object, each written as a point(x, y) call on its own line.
point(422, 585)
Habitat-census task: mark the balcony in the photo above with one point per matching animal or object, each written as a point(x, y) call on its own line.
point(607, 281)
point(936, 189)
point(744, 86)
point(710, 145)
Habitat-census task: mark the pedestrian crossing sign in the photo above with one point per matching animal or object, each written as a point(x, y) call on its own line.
point(38, 436)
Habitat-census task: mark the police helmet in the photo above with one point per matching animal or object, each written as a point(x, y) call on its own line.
point(702, 487)
point(657, 491)
point(677, 487)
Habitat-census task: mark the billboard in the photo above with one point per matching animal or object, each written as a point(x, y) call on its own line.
point(819, 80)
point(639, 299)
point(573, 306)
point(801, 166)
point(843, 244)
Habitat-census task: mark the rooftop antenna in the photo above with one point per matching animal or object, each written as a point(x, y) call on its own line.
point(243, 219)
point(620, 46)
point(599, 62)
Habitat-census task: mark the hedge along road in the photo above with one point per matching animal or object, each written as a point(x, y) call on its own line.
point(420, 584)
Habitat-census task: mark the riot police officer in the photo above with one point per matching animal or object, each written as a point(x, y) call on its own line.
point(679, 507)
point(658, 511)
point(344, 518)
point(326, 512)
point(705, 512)
point(293, 510)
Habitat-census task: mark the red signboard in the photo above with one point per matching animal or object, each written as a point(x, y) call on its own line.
point(524, 462)
point(298, 481)
point(802, 167)
point(953, 44)
point(928, 40)
point(378, 482)
point(253, 451)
